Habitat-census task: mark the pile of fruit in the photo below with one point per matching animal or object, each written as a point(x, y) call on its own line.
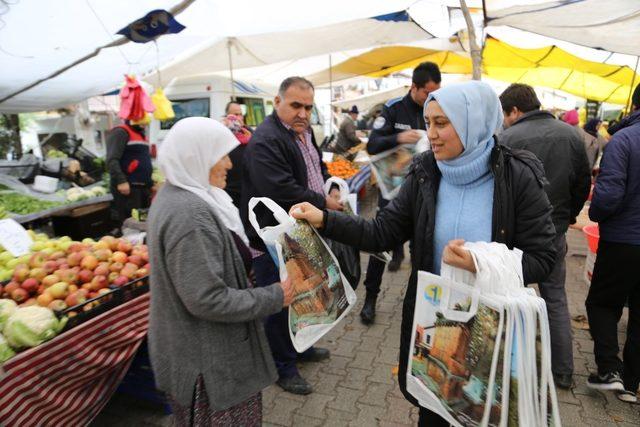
point(63, 273)
point(342, 168)
point(8, 262)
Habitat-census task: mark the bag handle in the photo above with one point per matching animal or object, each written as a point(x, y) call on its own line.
point(279, 214)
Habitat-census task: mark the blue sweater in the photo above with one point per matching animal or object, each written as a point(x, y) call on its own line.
point(616, 196)
point(464, 204)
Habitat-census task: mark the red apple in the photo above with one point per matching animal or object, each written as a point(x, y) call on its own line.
point(10, 287)
point(124, 246)
point(30, 285)
point(38, 273)
point(113, 275)
point(120, 257)
point(99, 282)
point(116, 266)
point(56, 255)
point(19, 295)
point(50, 280)
point(20, 272)
point(57, 305)
point(67, 275)
point(75, 298)
point(111, 241)
point(37, 260)
point(62, 262)
point(44, 299)
point(101, 270)
point(147, 266)
point(141, 272)
point(145, 256)
point(121, 281)
point(136, 259)
point(76, 247)
point(89, 262)
point(102, 244)
point(103, 254)
point(74, 259)
point(85, 276)
point(50, 266)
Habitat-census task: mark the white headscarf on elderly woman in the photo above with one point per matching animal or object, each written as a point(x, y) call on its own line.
point(187, 154)
point(474, 110)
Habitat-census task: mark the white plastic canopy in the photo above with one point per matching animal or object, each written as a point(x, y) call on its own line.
point(612, 25)
point(39, 37)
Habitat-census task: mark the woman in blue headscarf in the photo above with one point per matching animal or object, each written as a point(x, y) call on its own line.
point(468, 187)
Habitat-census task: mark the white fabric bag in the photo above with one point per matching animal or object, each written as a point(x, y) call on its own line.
point(323, 296)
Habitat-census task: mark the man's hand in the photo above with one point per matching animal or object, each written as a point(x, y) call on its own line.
point(288, 291)
point(457, 256)
point(308, 212)
point(124, 189)
point(333, 204)
point(409, 137)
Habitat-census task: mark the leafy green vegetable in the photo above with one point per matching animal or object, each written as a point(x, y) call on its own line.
point(21, 204)
point(7, 308)
point(6, 352)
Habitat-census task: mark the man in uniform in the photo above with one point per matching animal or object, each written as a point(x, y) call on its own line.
point(400, 123)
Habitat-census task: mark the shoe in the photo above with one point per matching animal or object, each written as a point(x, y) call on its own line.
point(563, 381)
point(608, 381)
point(394, 264)
point(368, 313)
point(627, 396)
point(295, 385)
point(316, 354)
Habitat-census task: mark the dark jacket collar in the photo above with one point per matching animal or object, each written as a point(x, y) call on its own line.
point(534, 115)
point(410, 103)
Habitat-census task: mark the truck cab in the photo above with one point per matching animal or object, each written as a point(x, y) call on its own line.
point(208, 95)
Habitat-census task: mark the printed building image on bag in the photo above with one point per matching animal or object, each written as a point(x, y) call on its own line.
point(319, 291)
point(391, 167)
point(454, 359)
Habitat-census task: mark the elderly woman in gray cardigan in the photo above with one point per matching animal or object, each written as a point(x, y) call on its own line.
point(208, 349)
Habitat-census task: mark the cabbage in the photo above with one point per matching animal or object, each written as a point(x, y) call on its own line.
point(7, 308)
point(31, 326)
point(6, 352)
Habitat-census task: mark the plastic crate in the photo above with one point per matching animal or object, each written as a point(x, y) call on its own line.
point(91, 308)
point(134, 288)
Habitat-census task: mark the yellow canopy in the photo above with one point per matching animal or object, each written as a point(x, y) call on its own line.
point(549, 67)
point(386, 60)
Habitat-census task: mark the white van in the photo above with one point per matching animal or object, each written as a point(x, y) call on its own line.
point(208, 95)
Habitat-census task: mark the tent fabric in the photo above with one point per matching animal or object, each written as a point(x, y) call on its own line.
point(262, 49)
point(386, 60)
point(613, 25)
point(549, 66)
point(38, 38)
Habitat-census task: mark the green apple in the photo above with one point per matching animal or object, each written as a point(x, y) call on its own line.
point(88, 241)
point(38, 246)
point(64, 239)
point(5, 256)
point(12, 263)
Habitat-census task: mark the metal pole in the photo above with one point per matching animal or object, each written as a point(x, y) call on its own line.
point(233, 86)
point(476, 52)
point(633, 81)
point(331, 93)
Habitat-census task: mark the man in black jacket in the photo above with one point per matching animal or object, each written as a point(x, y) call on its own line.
point(282, 162)
point(561, 150)
point(400, 123)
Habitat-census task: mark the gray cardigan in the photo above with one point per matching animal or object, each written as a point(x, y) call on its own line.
point(204, 318)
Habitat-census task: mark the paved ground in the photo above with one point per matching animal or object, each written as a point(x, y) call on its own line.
point(357, 385)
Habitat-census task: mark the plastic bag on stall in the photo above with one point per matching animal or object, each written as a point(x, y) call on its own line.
point(350, 203)
point(322, 294)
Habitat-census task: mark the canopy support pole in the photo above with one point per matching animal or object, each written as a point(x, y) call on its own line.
point(633, 82)
point(331, 91)
point(476, 52)
point(233, 85)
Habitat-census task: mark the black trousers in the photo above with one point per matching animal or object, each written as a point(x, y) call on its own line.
point(375, 268)
point(616, 281)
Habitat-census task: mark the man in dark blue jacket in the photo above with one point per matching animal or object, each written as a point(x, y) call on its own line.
point(400, 123)
point(282, 162)
point(616, 274)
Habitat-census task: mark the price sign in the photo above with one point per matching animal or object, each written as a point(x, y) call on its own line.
point(14, 238)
